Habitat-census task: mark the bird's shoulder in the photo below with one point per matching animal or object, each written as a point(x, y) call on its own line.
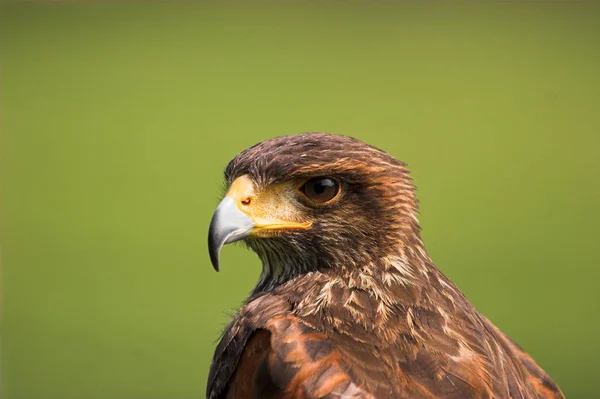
point(268, 352)
point(538, 382)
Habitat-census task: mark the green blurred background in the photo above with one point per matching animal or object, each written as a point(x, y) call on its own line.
point(118, 118)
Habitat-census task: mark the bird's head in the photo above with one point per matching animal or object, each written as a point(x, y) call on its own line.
point(312, 201)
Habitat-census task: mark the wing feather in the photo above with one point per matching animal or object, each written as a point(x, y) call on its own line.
point(269, 352)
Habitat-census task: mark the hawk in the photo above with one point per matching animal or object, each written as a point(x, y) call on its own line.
point(348, 303)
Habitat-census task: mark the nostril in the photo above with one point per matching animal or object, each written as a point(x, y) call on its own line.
point(246, 201)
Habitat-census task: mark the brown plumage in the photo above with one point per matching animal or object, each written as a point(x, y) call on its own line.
point(349, 304)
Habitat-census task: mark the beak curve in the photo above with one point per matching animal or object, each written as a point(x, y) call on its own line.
point(228, 224)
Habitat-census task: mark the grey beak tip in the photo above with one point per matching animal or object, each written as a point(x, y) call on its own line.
point(215, 241)
point(213, 251)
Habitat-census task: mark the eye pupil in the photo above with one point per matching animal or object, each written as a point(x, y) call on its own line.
point(321, 189)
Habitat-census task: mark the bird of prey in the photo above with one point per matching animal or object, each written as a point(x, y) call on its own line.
point(348, 303)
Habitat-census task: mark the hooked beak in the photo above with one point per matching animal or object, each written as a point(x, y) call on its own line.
point(239, 215)
point(229, 224)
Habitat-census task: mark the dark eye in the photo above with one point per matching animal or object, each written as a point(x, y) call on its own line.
point(320, 189)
